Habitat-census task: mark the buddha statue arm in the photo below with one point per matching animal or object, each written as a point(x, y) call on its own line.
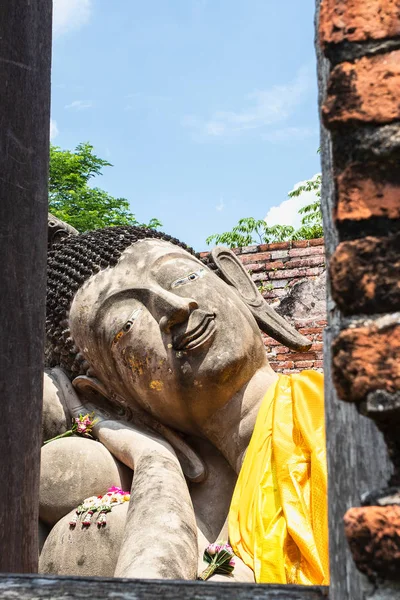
point(160, 535)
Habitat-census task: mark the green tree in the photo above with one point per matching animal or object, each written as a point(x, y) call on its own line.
point(311, 222)
point(73, 200)
point(256, 231)
point(251, 231)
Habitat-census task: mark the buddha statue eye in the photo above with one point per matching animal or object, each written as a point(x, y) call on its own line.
point(189, 278)
point(127, 326)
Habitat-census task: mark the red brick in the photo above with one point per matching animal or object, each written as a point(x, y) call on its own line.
point(319, 364)
point(263, 247)
point(314, 261)
point(309, 330)
point(366, 91)
point(204, 254)
point(304, 364)
point(254, 258)
point(317, 347)
point(271, 266)
point(254, 267)
point(324, 323)
point(286, 273)
point(368, 190)
point(358, 20)
point(301, 356)
point(317, 242)
point(365, 275)
point(287, 364)
point(367, 359)
point(280, 245)
point(300, 244)
point(307, 251)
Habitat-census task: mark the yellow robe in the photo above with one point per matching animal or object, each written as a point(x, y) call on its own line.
point(278, 517)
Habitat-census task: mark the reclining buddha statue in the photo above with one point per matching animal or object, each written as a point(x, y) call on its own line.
point(164, 352)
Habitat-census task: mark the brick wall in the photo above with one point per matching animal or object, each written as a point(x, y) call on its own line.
point(362, 112)
point(276, 268)
point(361, 191)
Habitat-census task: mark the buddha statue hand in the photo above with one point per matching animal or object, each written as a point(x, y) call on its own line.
point(160, 514)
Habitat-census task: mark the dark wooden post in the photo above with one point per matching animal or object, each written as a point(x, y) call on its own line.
point(25, 60)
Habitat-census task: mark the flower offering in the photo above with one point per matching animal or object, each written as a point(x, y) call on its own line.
point(81, 425)
point(220, 558)
point(99, 506)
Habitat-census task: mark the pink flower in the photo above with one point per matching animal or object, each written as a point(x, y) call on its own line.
point(232, 562)
point(81, 427)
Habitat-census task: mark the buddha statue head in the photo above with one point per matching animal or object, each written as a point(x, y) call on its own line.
point(158, 329)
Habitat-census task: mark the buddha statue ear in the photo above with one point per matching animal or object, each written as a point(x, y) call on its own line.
point(269, 321)
point(192, 465)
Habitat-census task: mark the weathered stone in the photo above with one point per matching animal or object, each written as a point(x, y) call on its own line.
point(367, 358)
point(365, 275)
point(305, 300)
point(367, 144)
point(365, 91)
point(316, 250)
point(357, 20)
point(373, 534)
point(84, 551)
point(366, 190)
point(73, 469)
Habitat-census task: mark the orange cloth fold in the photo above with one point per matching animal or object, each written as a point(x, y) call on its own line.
point(278, 520)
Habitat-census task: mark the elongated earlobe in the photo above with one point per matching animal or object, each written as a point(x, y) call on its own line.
point(192, 465)
point(268, 320)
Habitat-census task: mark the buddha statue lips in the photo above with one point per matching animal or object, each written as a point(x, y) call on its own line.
point(200, 329)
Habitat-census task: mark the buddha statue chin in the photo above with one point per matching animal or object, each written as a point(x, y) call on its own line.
point(166, 351)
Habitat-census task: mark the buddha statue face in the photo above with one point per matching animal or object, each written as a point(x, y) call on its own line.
point(166, 333)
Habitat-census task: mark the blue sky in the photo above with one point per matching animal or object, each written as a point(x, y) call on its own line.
point(206, 108)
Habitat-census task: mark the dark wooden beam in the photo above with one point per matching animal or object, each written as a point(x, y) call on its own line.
point(28, 587)
point(25, 59)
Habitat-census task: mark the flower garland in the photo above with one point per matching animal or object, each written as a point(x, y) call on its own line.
point(81, 425)
point(220, 558)
point(100, 505)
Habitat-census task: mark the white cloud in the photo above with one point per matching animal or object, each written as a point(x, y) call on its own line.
point(265, 107)
point(79, 105)
point(70, 14)
point(53, 129)
point(221, 205)
point(286, 213)
point(289, 134)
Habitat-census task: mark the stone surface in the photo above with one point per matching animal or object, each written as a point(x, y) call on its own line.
point(367, 190)
point(306, 300)
point(365, 275)
point(55, 419)
point(373, 534)
point(367, 358)
point(84, 551)
point(364, 91)
point(358, 20)
point(73, 469)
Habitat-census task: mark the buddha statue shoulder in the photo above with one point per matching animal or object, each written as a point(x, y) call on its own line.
point(163, 350)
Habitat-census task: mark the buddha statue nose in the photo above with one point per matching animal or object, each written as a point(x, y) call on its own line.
point(176, 310)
